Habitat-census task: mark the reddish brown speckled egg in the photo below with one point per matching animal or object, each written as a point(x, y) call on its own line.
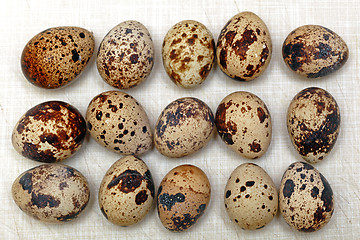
point(244, 124)
point(306, 199)
point(314, 51)
point(119, 123)
point(127, 191)
point(244, 47)
point(56, 56)
point(183, 196)
point(313, 123)
point(185, 126)
point(188, 53)
point(251, 198)
point(52, 193)
point(49, 132)
point(126, 55)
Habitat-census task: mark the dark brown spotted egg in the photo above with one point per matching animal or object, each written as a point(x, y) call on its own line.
point(49, 132)
point(126, 55)
point(185, 126)
point(119, 123)
point(314, 51)
point(56, 56)
point(244, 124)
point(313, 123)
point(52, 193)
point(306, 199)
point(188, 53)
point(251, 198)
point(244, 47)
point(127, 191)
point(182, 198)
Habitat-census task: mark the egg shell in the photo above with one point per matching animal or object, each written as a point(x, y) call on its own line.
point(56, 56)
point(52, 193)
point(306, 199)
point(251, 198)
point(127, 191)
point(183, 195)
point(185, 126)
point(244, 124)
point(49, 132)
point(314, 51)
point(244, 47)
point(313, 123)
point(188, 53)
point(126, 55)
point(119, 123)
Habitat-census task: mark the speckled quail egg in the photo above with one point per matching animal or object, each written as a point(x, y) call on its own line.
point(188, 53)
point(127, 191)
point(49, 132)
point(52, 193)
point(244, 124)
point(182, 198)
point(119, 123)
point(56, 56)
point(185, 126)
point(313, 123)
point(126, 55)
point(244, 47)
point(314, 51)
point(306, 199)
point(251, 198)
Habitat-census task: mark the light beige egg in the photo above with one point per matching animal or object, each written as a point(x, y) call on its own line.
point(244, 47)
point(313, 123)
point(185, 126)
point(119, 123)
point(56, 56)
point(127, 191)
point(49, 132)
point(52, 193)
point(306, 199)
point(188, 53)
point(251, 198)
point(314, 51)
point(126, 55)
point(244, 124)
point(183, 195)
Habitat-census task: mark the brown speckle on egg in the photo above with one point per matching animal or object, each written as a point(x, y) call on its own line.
point(56, 56)
point(314, 51)
point(313, 123)
point(51, 193)
point(49, 132)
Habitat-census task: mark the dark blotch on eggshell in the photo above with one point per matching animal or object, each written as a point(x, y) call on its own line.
point(183, 223)
point(169, 200)
point(127, 181)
